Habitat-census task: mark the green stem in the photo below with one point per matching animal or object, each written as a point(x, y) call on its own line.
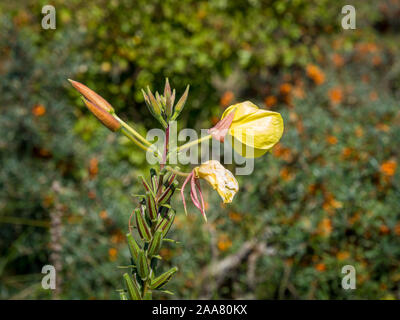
point(144, 289)
point(190, 144)
point(132, 131)
point(166, 146)
point(179, 173)
point(135, 141)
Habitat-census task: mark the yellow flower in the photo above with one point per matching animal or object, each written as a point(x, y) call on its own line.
point(219, 178)
point(253, 131)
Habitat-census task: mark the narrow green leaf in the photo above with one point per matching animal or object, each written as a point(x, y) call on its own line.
point(166, 205)
point(171, 240)
point(122, 296)
point(167, 292)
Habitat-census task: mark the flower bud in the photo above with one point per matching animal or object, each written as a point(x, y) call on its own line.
point(155, 244)
point(133, 287)
point(180, 104)
point(133, 247)
point(157, 107)
point(168, 98)
point(142, 227)
point(103, 116)
point(165, 223)
point(163, 279)
point(169, 178)
point(167, 194)
point(145, 184)
point(151, 206)
point(148, 103)
point(153, 179)
point(143, 266)
point(92, 96)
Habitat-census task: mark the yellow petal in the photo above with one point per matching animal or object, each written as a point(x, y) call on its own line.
point(262, 129)
point(255, 129)
point(241, 110)
point(244, 150)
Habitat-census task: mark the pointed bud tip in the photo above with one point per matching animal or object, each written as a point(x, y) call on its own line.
point(73, 83)
point(167, 83)
point(92, 96)
point(103, 116)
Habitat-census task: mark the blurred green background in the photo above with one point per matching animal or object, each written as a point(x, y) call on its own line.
point(326, 196)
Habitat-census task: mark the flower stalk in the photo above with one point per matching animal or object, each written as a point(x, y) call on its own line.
point(189, 145)
point(153, 217)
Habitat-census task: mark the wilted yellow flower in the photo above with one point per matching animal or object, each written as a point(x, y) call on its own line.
point(253, 128)
point(219, 178)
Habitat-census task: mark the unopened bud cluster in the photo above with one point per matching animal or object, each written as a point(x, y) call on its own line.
point(162, 107)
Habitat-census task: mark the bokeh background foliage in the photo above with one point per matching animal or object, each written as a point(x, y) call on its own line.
point(326, 196)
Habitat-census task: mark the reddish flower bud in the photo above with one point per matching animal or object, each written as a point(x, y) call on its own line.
point(92, 96)
point(105, 118)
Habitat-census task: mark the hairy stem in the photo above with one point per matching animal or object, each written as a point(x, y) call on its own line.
point(132, 131)
point(190, 144)
point(164, 160)
point(138, 143)
point(179, 173)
